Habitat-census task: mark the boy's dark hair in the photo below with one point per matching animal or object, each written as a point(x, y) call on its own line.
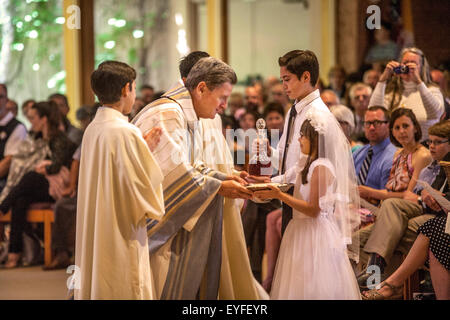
point(273, 107)
point(440, 129)
point(299, 61)
point(189, 61)
point(109, 79)
point(399, 112)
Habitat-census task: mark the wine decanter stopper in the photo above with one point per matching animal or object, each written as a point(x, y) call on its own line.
point(260, 124)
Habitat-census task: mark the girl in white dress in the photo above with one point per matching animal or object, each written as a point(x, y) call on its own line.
point(313, 262)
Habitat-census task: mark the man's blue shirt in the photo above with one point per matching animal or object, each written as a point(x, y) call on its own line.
point(380, 166)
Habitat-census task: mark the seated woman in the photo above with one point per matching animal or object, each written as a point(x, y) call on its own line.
point(432, 244)
point(32, 186)
point(409, 160)
point(411, 89)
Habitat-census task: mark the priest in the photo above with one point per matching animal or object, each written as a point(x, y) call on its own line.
point(185, 246)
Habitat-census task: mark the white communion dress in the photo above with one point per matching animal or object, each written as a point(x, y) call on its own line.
point(313, 263)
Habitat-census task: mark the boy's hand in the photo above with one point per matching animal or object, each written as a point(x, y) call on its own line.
point(152, 138)
point(233, 189)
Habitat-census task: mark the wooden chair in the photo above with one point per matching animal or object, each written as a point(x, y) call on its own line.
point(39, 213)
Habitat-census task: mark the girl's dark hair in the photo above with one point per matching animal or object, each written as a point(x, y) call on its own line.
point(50, 110)
point(312, 135)
point(400, 112)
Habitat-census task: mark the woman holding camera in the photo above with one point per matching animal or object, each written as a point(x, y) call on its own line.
point(410, 86)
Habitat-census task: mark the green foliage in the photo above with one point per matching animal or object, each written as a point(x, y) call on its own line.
point(35, 18)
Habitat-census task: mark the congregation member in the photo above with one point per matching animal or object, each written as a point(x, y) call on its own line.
point(407, 83)
point(73, 133)
point(371, 77)
point(373, 161)
point(337, 79)
point(345, 118)
point(330, 98)
point(38, 159)
point(409, 159)
point(359, 96)
point(12, 133)
point(398, 219)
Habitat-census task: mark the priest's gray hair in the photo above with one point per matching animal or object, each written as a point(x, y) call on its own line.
point(212, 71)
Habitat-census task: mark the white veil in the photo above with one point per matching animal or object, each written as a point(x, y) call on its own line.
point(343, 197)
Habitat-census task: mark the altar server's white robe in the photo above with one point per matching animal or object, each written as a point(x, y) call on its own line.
point(119, 188)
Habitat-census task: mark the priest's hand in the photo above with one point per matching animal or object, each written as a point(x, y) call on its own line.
point(239, 180)
point(152, 138)
point(243, 174)
point(232, 189)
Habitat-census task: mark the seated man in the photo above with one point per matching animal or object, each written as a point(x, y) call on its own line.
point(373, 162)
point(12, 132)
point(359, 95)
point(398, 220)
